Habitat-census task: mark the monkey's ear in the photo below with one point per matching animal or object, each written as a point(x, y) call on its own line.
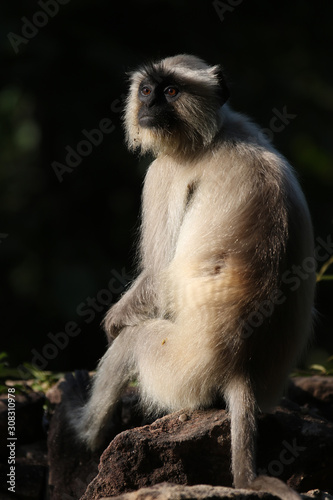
point(223, 91)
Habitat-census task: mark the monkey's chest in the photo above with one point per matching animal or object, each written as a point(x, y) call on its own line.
point(169, 195)
point(179, 203)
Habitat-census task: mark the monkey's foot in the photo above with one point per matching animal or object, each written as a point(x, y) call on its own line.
point(274, 486)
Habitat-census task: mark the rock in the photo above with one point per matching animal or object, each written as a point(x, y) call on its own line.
point(297, 448)
point(30, 479)
point(29, 448)
point(186, 449)
point(71, 467)
point(28, 418)
point(189, 448)
point(293, 447)
point(319, 387)
point(167, 491)
point(68, 474)
point(315, 393)
point(318, 495)
point(53, 394)
point(193, 451)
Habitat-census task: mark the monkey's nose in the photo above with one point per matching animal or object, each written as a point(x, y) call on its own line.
point(151, 102)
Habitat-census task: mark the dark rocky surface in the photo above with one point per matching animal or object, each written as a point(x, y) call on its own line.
point(188, 450)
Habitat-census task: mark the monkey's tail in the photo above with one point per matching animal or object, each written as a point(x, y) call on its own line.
point(242, 408)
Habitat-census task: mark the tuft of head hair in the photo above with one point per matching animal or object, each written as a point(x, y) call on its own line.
point(196, 112)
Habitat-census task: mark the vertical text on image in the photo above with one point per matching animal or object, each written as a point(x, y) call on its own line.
point(11, 440)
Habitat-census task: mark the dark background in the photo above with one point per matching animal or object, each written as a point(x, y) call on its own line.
point(62, 242)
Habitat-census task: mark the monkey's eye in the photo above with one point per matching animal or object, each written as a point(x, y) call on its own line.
point(145, 91)
point(171, 91)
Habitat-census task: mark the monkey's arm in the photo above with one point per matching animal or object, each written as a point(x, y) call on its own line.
point(136, 305)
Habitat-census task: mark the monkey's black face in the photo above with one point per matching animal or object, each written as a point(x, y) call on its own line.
point(157, 100)
point(174, 106)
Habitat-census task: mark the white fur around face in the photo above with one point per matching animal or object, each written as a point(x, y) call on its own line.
point(200, 116)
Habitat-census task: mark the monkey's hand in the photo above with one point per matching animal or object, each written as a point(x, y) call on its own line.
point(135, 306)
point(114, 321)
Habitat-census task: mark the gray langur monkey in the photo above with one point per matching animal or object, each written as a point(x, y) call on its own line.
point(214, 310)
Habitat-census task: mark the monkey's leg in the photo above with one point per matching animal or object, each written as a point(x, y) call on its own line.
point(135, 352)
point(92, 422)
point(242, 409)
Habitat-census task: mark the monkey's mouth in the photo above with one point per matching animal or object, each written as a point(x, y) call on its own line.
point(154, 119)
point(148, 121)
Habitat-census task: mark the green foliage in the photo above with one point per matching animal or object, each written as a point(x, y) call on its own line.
point(323, 369)
point(321, 276)
point(5, 370)
point(38, 381)
point(42, 380)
